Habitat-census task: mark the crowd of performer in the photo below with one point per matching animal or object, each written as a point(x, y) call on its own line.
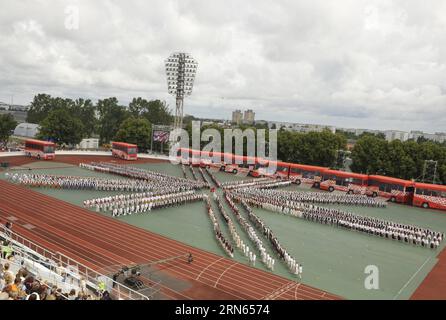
point(385, 229)
point(183, 169)
point(141, 202)
point(374, 226)
point(226, 244)
point(266, 259)
point(289, 198)
point(242, 183)
point(93, 183)
point(205, 177)
point(232, 230)
point(142, 174)
point(151, 190)
point(291, 262)
point(213, 177)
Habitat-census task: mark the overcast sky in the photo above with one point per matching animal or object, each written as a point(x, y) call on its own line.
point(353, 63)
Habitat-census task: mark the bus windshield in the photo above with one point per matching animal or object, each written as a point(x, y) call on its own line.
point(131, 150)
point(48, 149)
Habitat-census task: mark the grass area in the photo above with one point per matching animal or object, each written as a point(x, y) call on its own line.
point(333, 259)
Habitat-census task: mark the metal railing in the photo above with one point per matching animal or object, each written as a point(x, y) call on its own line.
point(36, 266)
point(76, 271)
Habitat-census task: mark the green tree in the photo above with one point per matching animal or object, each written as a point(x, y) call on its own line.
point(111, 116)
point(156, 111)
point(39, 108)
point(138, 106)
point(43, 104)
point(370, 155)
point(159, 113)
point(61, 127)
point(85, 111)
point(314, 148)
point(7, 126)
point(137, 131)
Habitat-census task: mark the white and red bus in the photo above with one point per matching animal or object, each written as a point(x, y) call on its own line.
point(397, 190)
point(226, 162)
point(125, 151)
point(40, 149)
point(305, 173)
point(352, 183)
point(199, 158)
point(298, 173)
point(429, 196)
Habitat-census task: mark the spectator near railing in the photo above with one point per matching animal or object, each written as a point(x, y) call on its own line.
point(63, 275)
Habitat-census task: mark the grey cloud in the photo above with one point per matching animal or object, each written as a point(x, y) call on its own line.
point(374, 64)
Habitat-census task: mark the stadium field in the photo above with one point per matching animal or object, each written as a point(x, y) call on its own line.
point(333, 259)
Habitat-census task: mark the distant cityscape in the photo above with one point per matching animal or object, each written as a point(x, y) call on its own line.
point(248, 117)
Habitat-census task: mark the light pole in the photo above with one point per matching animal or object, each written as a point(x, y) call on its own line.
point(180, 71)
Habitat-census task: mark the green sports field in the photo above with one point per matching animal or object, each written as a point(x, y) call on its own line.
point(333, 259)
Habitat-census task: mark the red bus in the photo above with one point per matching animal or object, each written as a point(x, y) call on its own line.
point(40, 149)
point(305, 173)
point(429, 196)
point(298, 173)
point(199, 158)
point(397, 190)
point(352, 183)
point(125, 151)
point(227, 162)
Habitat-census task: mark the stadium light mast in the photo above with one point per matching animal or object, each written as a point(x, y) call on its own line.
point(180, 71)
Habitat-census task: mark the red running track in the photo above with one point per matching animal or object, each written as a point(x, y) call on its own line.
point(100, 242)
point(433, 286)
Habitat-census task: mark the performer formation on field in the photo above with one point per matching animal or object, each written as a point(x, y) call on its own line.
point(266, 259)
point(226, 244)
point(127, 204)
point(214, 179)
point(94, 183)
point(142, 191)
point(142, 174)
point(232, 230)
point(285, 202)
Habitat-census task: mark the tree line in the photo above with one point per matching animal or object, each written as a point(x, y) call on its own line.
point(313, 148)
point(405, 160)
point(67, 121)
point(7, 126)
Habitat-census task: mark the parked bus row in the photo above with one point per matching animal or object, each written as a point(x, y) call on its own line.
point(45, 150)
point(396, 190)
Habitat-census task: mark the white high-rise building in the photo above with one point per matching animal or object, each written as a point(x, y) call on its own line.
point(396, 135)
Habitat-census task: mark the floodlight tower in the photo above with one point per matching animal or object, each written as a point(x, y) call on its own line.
point(180, 71)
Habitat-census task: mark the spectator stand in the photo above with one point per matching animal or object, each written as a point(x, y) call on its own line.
point(60, 268)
